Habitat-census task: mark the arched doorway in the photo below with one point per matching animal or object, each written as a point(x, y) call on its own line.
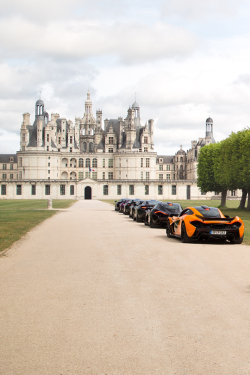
point(87, 192)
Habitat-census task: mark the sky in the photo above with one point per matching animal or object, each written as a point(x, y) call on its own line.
point(186, 60)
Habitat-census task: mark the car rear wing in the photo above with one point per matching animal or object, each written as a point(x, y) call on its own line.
point(229, 219)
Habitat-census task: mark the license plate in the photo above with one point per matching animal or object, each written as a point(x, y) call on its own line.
point(220, 232)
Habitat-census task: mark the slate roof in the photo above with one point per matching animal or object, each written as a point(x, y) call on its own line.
point(5, 158)
point(167, 159)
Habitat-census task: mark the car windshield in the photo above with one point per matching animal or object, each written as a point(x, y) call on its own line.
point(208, 211)
point(173, 207)
point(152, 202)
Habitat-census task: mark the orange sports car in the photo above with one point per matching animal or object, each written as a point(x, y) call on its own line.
point(202, 222)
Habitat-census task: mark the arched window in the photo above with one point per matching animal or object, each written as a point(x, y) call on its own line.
point(81, 163)
point(84, 146)
point(94, 163)
point(91, 147)
point(105, 189)
point(181, 159)
point(181, 167)
point(87, 163)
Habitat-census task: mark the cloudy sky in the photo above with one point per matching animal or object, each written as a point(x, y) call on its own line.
point(184, 59)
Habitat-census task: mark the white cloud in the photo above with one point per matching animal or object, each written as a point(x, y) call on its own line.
point(129, 42)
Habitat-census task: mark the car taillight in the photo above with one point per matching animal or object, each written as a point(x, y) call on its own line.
point(144, 207)
point(160, 212)
point(196, 224)
point(237, 225)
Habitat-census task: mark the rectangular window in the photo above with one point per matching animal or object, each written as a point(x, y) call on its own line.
point(111, 140)
point(141, 175)
point(147, 162)
point(160, 176)
point(71, 139)
point(119, 189)
point(168, 176)
point(110, 175)
point(147, 175)
point(47, 189)
point(48, 171)
point(59, 140)
point(48, 164)
point(62, 189)
point(47, 137)
point(11, 167)
point(145, 149)
point(131, 189)
point(33, 189)
point(20, 175)
point(168, 167)
point(4, 176)
point(80, 176)
point(70, 150)
point(11, 176)
point(94, 175)
point(160, 190)
point(110, 163)
point(3, 189)
point(110, 150)
point(173, 189)
point(103, 163)
point(141, 162)
point(146, 140)
point(87, 174)
point(20, 162)
point(72, 189)
point(4, 167)
point(105, 189)
point(19, 190)
point(173, 176)
point(103, 175)
point(146, 189)
point(160, 167)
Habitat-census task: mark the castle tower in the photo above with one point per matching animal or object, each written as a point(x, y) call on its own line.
point(209, 129)
point(88, 106)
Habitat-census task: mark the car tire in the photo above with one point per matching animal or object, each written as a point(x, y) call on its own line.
point(184, 236)
point(168, 230)
point(137, 219)
point(134, 216)
point(151, 224)
point(237, 240)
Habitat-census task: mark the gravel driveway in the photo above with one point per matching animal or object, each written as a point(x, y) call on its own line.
point(89, 291)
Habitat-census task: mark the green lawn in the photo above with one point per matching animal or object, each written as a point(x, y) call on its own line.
point(231, 210)
point(17, 217)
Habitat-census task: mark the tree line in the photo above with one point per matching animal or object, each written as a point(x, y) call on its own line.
point(225, 166)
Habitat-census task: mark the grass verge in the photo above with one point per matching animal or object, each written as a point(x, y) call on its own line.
point(231, 210)
point(19, 217)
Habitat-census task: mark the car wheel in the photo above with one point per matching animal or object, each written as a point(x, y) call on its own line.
point(137, 219)
point(134, 216)
point(168, 230)
point(151, 224)
point(184, 236)
point(237, 240)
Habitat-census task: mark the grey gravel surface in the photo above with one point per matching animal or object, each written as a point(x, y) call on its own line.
point(89, 291)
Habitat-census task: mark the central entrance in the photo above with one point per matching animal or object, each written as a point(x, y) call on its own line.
point(87, 192)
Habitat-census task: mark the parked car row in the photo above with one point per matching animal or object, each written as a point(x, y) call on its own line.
point(190, 224)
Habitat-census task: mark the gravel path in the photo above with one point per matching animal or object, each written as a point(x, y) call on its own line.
point(89, 291)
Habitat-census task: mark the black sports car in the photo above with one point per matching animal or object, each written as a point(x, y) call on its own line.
point(140, 210)
point(132, 207)
point(127, 205)
point(158, 215)
point(117, 203)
